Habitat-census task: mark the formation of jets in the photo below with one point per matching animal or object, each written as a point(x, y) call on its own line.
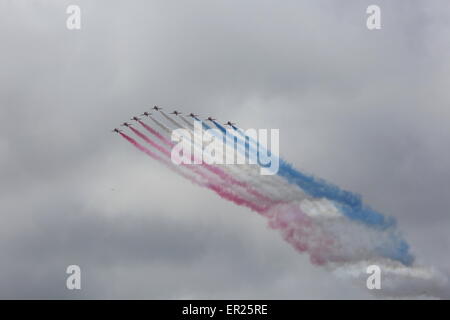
point(175, 112)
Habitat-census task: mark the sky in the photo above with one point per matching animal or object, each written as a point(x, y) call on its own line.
point(367, 110)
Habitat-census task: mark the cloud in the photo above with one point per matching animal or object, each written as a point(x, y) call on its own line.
point(366, 110)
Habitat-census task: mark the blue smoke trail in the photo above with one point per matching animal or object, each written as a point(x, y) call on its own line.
point(350, 203)
point(239, 147)
point(396, 249)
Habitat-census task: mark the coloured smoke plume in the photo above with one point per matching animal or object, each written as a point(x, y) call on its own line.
point(333, 226)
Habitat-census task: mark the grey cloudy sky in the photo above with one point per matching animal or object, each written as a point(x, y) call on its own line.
point(368, 110)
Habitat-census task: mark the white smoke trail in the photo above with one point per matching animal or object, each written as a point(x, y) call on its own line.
point(398, 281)
point(343, 246)
point(273, 186)
point(217, 176)
point(190, 125)
point(346, 248)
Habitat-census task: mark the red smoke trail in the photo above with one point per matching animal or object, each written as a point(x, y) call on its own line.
point(158, 158)
point(295, 226)
point(223, 175)
point(237, 200)
point(299, 230)
point(155, 133)
point(149, 141)
point(140, 147)
point(220, 191)
point(163, 150)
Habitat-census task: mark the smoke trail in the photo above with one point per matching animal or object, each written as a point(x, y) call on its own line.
point(384, 248)
point(398, 249)
point(346, 248)
point(162, 126)
point(225, 177)
point(317, 188)
point(190, 125)
point(170, 119)
point(321, 227)
point(245, 173)
point(350, 203)
point(394, 247)
point(169, 164)
point(271, 185)
point(217, 189)
point(398, 281)
point(153, 144)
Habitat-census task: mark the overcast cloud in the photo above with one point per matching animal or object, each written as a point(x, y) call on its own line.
point(367, 110)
